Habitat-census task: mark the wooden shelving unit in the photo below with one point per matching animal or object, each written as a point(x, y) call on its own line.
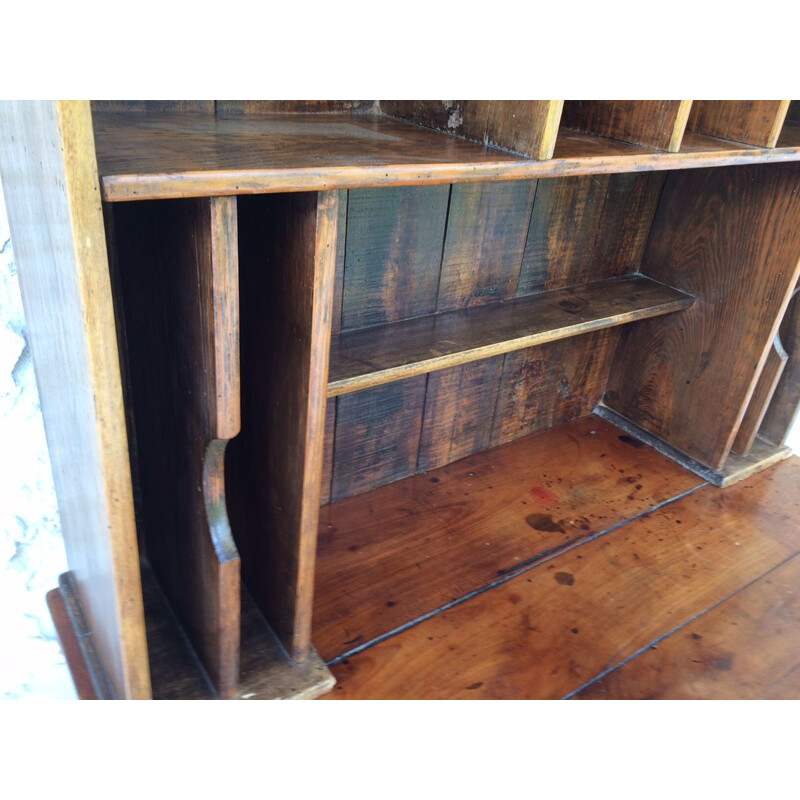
point(296, 306)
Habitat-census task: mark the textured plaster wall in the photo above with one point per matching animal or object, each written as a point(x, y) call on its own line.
point(31, 546)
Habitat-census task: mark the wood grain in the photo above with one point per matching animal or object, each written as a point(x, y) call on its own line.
point(152, 106)
point(486, 230)
point(404, 550)
point(54, 213)
point(231, 107)
point(527, 127)
point(160, 156)
point(176, 275)
point(762, 395)
point(549, 631)
point(743, 649)
point(70, 647)
point(785, 404)
point(361, 359)
point(738, 256)
point(652, 123)
point(287, 251)
point(756, 122)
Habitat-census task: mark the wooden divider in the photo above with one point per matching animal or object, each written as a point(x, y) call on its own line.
point(756, 122)
point(528, 127)
point(176, 271)
point(731, 238)
point(287, 260)
point(653, 123)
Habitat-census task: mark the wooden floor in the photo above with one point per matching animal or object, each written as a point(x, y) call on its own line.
point(574, 563)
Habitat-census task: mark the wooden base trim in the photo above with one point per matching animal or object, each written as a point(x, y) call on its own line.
point(736, 468)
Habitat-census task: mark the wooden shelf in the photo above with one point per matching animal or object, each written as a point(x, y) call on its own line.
point(152, 156)
point(374, 356)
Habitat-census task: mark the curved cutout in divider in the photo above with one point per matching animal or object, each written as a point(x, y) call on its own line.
point(176, 268)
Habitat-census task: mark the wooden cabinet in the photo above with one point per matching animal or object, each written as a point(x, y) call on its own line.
point(248, 317)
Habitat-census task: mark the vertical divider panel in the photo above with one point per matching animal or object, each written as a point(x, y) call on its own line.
point(176, 265)
point(756, 122)
point(288, 261)
point(653, 123)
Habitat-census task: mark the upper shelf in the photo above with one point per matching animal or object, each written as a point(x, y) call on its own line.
point(148, 157)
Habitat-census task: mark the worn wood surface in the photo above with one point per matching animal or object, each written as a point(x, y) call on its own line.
point(756, 122)
point(152, 106)
point(553, 629)
point(70, 647)
point(528, 127)
point(287, 264)
point(231, 107)
point(160, 156)
point(361, 359)
point(176, 274)
point(53, 199)
point(730, 238)
point(266, 672)
point(762, 395)
point(404, 550)
point(785, 404)
point(653, 123)
point(745, 648)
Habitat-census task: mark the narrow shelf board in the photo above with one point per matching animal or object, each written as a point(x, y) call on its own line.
point(147, 157)
point(763, 454)
point(373, 356)
point(266, 672)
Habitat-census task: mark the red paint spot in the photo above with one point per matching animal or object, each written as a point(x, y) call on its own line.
point(543, 495)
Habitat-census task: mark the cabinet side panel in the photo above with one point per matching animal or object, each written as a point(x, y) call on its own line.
point(50, 180)
point(731, 238)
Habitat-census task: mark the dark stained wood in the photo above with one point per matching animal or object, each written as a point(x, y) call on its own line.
point(549, 631)
point(756, 122)
point(160, 156)
point(785, 404)
point(338, 278)
point(790, 134)
point(152, 106)
point(527, 127)
point(287, 264)
point(459, 409)
point(393, 254)
point(653, 123)
point(793, 113)
point(549, 385)
point(731, 238)
point(377, 436)
point(176, 270)
point(266, 671)
point(361, 359)
point(389, 556)
point(231, 107)
point(67, 638)
point(743, 649)
point(762, 395)
point(51, 187)
point(486, 230)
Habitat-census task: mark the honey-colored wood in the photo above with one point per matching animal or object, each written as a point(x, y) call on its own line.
point(745, 648)
point(785, 402)
point(176, 270)
point(528, 127)
point(287, 253)
point(730, 238)
point(149, 157)
point(361, 359)
point(652, 123)
point(762, 395)
point(756, 122)
point(402, 551)
point(554, 628)
point(53, 195)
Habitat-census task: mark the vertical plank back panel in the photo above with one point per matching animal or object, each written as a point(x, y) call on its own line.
point(756, 122)
point(288, 249)
point(50, 182)
point(731, 238)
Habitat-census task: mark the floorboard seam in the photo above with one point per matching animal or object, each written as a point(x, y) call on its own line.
point(520, 569)
point(655, 642)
